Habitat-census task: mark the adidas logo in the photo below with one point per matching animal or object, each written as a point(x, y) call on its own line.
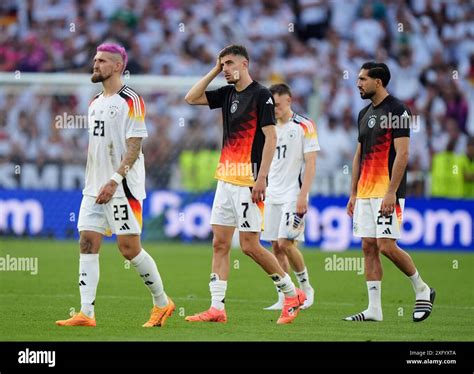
point(269, 101)
point(245, 225)
point(387, 231)
point(124, 227)
point(293, 310)
point(372, 288)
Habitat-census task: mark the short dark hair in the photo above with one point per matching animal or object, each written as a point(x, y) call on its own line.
point(377, 70)
point(234, 49)
point(280, 89)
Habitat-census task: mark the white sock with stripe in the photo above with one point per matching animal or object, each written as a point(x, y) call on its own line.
point(218, 289)
point(374, 311)
point(374, 289)
point(284, 284)
point(303, 279)
point(421, 289)
point(148, 271)
point(88, 281)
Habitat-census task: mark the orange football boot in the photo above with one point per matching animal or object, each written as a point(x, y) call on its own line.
point(160, 315)
point(78, 319)
point(291, 307)
point(210, 315)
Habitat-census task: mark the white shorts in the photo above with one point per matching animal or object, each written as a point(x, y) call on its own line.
point(120, 216)
point(368, 222)
point(233, 206)
point(276, 221)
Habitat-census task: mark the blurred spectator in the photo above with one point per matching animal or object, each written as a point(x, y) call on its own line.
point(447, 179)
point(467, 162)
point(316, 46)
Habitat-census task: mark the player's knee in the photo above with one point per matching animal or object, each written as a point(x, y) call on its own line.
point(285, 246)
point(386, 248)
point(369, 247)
point(128, 250)
point(220, 246)
point(277, 250)
point(248, 246)
point(86, 245)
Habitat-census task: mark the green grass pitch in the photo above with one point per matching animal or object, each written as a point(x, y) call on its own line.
point(29, 304)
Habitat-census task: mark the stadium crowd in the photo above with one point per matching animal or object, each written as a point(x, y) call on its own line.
point(317, 46)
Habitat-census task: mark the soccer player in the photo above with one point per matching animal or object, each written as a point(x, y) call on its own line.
point(249, 141)
point(289, 182)
point(378, 189)
point(115, 187)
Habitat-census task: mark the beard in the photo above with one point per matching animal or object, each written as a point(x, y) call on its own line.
point(234, 77)
point(367, 95)
point(98, 77)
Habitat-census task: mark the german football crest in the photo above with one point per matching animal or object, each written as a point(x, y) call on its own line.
point(113, 110)
point(234, 105)
point(372, 120)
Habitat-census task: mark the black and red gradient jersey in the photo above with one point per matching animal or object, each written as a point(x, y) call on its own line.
point(378, 127)
point(244, 114)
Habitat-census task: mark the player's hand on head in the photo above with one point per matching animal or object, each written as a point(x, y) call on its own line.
point(106, 192)
point(258, 190)
point(218, 64)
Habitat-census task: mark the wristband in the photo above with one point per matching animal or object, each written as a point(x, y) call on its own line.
point(117, 178)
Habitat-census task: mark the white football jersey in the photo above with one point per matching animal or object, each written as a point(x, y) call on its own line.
point(294, 138)
point(112, 120)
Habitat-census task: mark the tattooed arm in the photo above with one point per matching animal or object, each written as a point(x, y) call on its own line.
point(133, 150)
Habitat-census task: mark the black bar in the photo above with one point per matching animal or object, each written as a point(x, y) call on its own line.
point(228, 355)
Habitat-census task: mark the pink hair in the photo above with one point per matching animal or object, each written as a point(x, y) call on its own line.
point(116, 49)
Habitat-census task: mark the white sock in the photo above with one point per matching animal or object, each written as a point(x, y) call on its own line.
point(374, 289)
point(420, 287)
point(148, 271)
point(303, 279)
point(281, 295)
point(284, 284)
point(88, 281)
point(218, 288)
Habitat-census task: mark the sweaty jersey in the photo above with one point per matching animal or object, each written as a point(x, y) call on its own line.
point(244, 114)
point(294, 138)
point(378, 127)
point(112, 120)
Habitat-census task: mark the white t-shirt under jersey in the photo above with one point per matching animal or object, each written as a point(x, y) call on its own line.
point(294, 138)
point(112, 120)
